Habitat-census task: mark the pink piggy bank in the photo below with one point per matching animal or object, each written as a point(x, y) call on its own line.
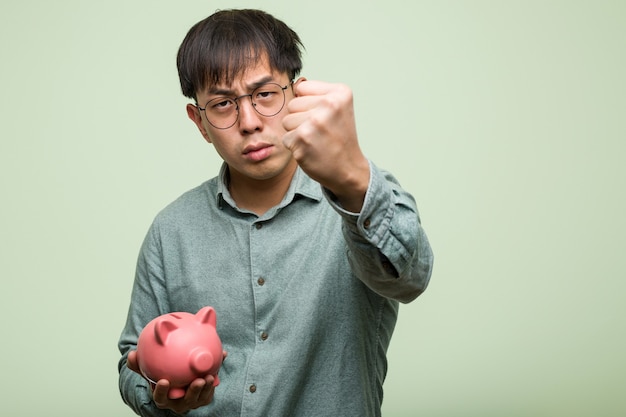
point(180, 347)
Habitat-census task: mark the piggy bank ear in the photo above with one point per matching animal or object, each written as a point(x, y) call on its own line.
point(207, 315)
point(162, 329)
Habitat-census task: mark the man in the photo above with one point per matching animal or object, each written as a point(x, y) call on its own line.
point(301, 244)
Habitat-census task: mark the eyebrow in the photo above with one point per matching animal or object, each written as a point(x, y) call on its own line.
point(230, 92)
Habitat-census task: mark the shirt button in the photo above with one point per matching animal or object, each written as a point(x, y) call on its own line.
point(252, 388)
point(258, 225)
point(261, 281)
point(366, 223)
point(264, 336)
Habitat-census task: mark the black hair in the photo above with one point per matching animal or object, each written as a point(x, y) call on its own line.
point(220, 47)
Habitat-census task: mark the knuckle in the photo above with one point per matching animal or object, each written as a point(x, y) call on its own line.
point(344, 91)
point(308, 130)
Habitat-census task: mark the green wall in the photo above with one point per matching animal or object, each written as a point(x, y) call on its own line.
point(505, 119)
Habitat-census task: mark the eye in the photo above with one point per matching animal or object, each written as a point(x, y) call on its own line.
point(220, 104)
point(264, 94)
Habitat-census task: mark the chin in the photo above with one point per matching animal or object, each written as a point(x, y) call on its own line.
point(272, 169)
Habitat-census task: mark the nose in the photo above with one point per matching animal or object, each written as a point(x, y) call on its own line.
point(249, 119)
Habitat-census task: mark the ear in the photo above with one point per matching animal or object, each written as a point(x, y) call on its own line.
point(162, 329)
point(207, 315)
point(194, 114)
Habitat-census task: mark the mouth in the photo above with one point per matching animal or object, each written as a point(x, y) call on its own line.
point(257, 152)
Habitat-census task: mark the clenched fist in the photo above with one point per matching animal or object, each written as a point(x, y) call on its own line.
point(321, 134)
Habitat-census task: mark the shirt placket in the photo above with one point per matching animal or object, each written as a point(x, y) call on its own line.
point(255, 393)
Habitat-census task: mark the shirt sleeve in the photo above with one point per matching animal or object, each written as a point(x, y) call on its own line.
point(147, 302)
point(388, 248)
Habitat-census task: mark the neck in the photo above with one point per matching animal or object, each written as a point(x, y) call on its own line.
point(259, 195)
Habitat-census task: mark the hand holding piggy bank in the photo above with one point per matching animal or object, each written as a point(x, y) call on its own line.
point(180, 347)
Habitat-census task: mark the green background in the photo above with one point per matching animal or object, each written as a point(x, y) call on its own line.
point(505, 119)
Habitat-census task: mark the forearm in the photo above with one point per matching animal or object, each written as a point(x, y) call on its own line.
point(388, 248)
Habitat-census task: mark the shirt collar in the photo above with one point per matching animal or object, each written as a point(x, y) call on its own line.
point(301, 185)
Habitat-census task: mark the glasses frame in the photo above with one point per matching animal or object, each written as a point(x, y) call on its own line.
point(236, 101)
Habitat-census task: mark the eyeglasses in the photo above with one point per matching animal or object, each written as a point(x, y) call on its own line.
point(268, 100)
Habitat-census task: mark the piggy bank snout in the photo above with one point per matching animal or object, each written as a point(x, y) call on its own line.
point(201, 361)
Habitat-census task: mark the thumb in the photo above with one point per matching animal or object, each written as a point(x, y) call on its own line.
point(131, 361)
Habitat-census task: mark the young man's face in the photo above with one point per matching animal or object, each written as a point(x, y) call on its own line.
point(252, 147)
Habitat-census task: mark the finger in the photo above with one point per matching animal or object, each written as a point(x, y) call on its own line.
point(206, 395)
point(289, 140)
point(131, 361)
point(159, 395)
point(304, 103)
point(194, 391)
point(312, 87)
point(293, 120)
point(293, 142)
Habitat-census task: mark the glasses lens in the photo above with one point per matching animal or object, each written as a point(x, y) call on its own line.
point(221, 112)
point(268, 99)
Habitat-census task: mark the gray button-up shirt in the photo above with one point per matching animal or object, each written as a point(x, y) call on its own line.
point(306, 295)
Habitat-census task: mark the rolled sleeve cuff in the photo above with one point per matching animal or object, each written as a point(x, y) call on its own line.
point(373, 223)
